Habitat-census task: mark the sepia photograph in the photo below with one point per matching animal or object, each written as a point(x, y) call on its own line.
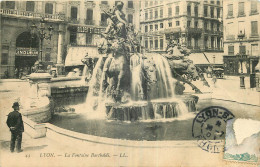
point(130, 83)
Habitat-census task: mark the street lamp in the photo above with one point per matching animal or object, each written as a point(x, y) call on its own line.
point(240, 37)
point(41, 33)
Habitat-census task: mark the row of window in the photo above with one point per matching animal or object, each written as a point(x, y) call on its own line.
point(89, 15)
point(73, 38)
point(156, 26)
point(152, 2)
point(241, 9)
point(212, 11)
point(30, 5)
point(241, 27)
point(156, 14)
point(242, 50)
point(195, 11)
point(177, 11)
point(214, 43)
point(213, 26)
point(212, 2)
point(154, 44)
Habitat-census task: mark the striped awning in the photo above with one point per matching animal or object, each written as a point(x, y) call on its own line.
point(210, 58)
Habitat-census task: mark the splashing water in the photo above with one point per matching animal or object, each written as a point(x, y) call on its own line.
point(164, 83)
point(136, 84)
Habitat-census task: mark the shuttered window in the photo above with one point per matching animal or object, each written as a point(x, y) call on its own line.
point(230, 10)
point(161, 44)
point(230, 50)
point(177, 10)
point(74, 12)
point(254, 28)
point(254, 7)
point(30, 6)
point(169, 11)
point(49, 8)
point(241, 11)
point(89, 14)
point(10, 4)
point(242, 49)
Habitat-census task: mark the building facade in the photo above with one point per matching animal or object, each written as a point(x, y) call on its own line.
point(86, 20)
point(196, 23)
point(18, 49)
point(241, 36)
point(77, 27)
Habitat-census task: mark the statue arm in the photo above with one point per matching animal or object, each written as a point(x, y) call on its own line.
point(119, 17)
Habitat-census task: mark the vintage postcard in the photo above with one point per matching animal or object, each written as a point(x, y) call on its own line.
point(129, 83)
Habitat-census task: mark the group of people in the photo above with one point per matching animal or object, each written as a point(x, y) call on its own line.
point(20, 72)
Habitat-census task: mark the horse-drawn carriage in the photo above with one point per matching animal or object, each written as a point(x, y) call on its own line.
point(218, 72)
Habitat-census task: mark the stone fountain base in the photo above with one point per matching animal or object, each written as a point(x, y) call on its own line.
point(155, 109)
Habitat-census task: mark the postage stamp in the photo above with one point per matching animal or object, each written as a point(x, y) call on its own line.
point(242, 141)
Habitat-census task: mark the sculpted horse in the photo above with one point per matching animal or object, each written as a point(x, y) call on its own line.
point(116, 70)
point(187, 72)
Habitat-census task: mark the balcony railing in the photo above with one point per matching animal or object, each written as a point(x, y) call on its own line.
point(28, 14)
point(194, 30)
point(90, 22)
point(73, 20)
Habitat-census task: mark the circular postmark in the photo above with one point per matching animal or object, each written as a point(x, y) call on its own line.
point(209, 127)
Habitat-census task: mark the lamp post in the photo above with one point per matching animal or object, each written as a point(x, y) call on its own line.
point(240, 37)
point(41, 33)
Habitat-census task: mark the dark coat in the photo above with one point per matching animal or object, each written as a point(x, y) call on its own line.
point(15, 120)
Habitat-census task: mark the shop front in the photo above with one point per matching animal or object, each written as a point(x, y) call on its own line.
point(26, 53)
point(239, 64)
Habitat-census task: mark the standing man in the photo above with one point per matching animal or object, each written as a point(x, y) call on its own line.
point(15, 124)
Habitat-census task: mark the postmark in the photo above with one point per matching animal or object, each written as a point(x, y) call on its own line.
point(209, 128)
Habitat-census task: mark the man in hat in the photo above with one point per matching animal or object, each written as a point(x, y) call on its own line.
point(15, 124)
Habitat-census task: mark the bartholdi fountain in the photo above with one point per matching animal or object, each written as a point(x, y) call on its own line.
point(130, 86)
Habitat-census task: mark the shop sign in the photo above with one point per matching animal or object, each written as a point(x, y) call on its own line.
point(27, 52)
point(90, 30)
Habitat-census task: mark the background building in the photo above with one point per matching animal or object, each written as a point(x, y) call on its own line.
point(17, 47)
point(241, 35)
point(77, 27)
point(197, 23)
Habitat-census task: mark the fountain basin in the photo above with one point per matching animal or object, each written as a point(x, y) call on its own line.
point(155, 109)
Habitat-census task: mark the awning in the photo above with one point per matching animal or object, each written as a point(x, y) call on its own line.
point(76, 54)
point(199, 58)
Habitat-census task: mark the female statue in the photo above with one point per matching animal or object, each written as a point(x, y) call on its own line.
point(117, 21)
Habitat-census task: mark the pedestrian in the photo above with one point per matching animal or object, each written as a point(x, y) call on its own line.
point(214, 79)
point(15, 124)
point(16, 73)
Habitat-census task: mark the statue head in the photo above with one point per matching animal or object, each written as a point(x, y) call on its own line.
point(119, 5)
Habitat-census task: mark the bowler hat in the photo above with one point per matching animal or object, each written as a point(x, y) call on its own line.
point(15, 104)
